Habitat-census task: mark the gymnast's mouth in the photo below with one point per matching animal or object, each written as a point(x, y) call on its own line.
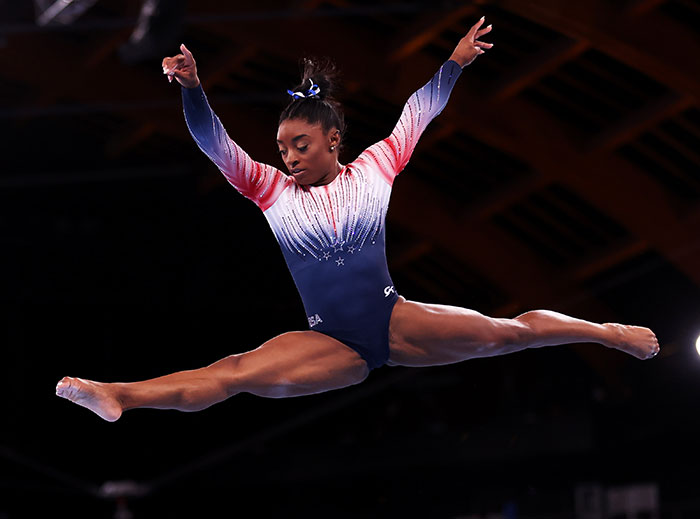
point(297, 171)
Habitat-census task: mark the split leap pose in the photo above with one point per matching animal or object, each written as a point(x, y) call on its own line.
point(328, 218)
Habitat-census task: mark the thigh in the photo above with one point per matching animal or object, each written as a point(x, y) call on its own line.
point(294, 364)
point(427, 334)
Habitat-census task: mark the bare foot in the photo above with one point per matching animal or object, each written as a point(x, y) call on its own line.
point(92, 395)
point(635, 340)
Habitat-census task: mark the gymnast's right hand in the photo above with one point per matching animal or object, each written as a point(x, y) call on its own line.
point(182, 67)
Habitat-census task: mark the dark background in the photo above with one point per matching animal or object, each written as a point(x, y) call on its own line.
point(563, 174)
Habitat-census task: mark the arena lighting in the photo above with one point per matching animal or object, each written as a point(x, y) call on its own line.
point(697, 344)
point(60, 12)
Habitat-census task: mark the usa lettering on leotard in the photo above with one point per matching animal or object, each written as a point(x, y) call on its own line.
point(314, 320)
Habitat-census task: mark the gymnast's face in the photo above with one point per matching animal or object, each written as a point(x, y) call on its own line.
point(311, 156)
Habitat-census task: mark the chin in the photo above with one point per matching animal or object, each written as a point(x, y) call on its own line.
point(305, 179)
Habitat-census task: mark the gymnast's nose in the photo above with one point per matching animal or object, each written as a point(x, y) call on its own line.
point(292, 163)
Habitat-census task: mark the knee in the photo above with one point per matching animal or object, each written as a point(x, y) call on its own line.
point(314, 379)
point(533, 319)
point(233, 373)
point(189, 400)
point(225, 375)
point(357, 373)
point(244, 374)
point(512, 333)
point(530, 324)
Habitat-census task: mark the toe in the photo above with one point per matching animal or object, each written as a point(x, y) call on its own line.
point(63, 385)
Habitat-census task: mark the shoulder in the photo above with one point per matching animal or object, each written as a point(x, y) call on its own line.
point(265, 185)
point(380, 160)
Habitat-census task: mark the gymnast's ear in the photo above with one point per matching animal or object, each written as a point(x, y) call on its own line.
point(334, 136)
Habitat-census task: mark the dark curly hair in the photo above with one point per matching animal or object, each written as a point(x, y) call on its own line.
point(322, 108)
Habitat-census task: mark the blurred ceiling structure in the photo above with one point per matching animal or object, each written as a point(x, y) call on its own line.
point(563, 174)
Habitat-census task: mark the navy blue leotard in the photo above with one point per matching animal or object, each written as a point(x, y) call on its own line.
point(332, 236)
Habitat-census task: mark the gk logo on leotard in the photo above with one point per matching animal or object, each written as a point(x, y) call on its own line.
point(388, 290)
point(314, 320)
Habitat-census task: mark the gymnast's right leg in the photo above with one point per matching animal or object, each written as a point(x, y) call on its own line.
point(291, 364)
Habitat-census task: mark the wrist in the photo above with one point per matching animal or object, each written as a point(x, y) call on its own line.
point(459, 60)
point(194, 84)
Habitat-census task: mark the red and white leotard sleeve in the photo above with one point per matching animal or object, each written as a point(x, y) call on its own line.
point(259, 182)
point(391, 155)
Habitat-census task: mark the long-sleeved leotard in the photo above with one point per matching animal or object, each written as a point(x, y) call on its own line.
point(332, 236)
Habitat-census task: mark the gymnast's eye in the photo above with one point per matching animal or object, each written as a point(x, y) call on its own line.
point(282, 152)
point(303, 148)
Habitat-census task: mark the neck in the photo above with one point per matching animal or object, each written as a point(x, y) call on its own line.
point(330, 176)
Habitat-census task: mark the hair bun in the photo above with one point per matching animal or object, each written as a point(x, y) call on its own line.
point(313, 99)
point(322, 72)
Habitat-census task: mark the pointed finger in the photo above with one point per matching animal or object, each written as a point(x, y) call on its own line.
point(186, 52)
point(483, 44)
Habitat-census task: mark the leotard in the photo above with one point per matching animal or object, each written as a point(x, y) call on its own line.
point(332, 236)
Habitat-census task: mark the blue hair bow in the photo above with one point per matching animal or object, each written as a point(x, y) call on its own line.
point(311, 92)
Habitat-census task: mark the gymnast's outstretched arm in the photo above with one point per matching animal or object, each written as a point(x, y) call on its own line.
point(393, 153)
point(259, 182)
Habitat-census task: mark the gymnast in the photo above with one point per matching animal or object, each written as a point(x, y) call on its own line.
point(329, 219)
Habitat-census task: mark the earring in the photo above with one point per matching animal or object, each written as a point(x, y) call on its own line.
point(332, 148)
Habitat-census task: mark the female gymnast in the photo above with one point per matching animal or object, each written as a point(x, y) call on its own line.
point(329, 221)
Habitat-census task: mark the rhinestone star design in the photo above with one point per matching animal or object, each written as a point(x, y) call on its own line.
point(326, 256)
point(338, 246)
point(340, 261)
point(351, 249)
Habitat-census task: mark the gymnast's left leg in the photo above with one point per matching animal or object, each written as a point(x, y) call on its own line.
point(428, 335)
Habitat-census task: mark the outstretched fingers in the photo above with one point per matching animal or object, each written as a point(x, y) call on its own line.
point(483, 44)
point(475, 33)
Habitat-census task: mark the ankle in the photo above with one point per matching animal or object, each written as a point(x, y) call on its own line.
point(613, 336)
point(119, 393)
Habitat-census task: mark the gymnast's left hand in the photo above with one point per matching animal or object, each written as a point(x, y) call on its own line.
point(182, 67)
point(469, 47)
